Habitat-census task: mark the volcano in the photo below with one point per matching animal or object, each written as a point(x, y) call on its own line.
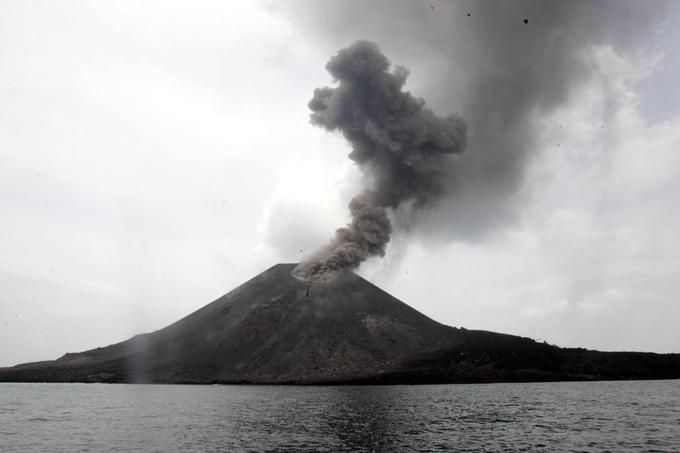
point(276, 329)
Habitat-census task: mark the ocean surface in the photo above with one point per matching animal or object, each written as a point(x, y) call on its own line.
point(557, 417)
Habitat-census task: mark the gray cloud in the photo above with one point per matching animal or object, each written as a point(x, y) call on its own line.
point(481, 59)
point(398, 142)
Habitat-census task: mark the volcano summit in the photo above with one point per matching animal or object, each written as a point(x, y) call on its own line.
point(276, 329)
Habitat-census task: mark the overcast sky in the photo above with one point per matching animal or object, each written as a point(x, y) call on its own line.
point(154, 155)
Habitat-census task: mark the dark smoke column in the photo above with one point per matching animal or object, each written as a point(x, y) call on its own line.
point(397, 142)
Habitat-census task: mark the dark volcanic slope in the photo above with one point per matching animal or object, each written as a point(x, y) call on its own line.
point(266, 330)
point(269, 330)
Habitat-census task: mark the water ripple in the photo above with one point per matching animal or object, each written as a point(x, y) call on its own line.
point(594, 417)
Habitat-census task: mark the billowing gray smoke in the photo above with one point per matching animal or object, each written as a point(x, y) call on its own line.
point(399, 143)
point(503, 65)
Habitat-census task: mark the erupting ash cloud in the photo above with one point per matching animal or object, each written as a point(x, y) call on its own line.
point(503, 74)
point(401, 145)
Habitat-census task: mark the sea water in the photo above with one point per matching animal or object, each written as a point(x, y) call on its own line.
point(557, 417)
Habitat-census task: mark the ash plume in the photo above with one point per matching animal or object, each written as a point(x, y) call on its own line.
point(399, 143)
point(502, 74)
